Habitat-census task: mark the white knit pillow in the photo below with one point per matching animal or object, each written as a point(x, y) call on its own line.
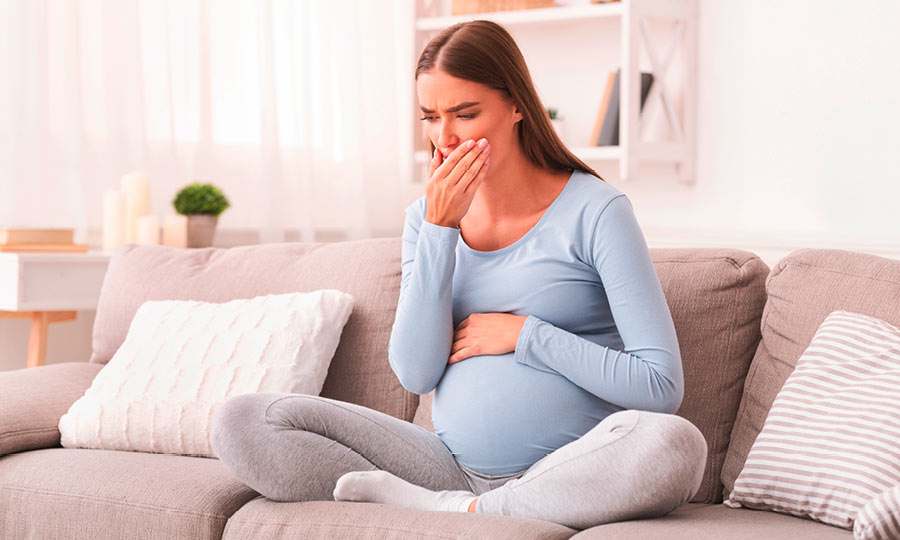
point(182, 359)
point(829, 443)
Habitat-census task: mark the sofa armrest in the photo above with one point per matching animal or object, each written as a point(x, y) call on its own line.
point(32, 400)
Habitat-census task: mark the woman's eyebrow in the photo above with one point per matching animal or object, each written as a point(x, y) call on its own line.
point(457, 108)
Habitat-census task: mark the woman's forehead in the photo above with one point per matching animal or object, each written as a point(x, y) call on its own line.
point(446, 92)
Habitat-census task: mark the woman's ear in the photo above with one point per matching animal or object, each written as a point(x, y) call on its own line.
point(517, 116)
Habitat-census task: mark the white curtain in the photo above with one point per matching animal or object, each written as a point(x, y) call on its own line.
point(290, 106)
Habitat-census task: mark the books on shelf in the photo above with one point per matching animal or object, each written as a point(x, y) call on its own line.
point(606, 128)
point(598, 125)
point(44, 248)
point(40, 240)
point(37, 236)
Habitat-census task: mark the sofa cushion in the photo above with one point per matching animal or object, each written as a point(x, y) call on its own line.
point(263, 519)
point(829, 443)
point(693, 521)
point(879, 519)
point(368, 270)
point(182, 359)
point(715, 297)
point(803, 289)
point(89, 494)
point(33, 399)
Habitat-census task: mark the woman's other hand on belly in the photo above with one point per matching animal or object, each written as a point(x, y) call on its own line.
point(485, 333)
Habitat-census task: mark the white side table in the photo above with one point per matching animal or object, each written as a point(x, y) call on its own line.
point(47, 288)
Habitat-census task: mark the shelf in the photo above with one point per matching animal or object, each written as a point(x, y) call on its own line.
point(526, 16)
point(638, 39)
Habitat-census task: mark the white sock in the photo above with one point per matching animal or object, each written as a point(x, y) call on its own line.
point(383, 487)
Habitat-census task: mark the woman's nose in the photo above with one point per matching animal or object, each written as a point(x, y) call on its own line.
point(446, 137)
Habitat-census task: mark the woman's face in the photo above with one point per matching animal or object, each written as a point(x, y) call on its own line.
point(455, 110)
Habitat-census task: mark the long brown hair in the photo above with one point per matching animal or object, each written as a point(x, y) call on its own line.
point(484, 52)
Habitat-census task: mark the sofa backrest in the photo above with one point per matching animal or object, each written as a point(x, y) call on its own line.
point(716, 297)
point(369, 270)
point(803, 289)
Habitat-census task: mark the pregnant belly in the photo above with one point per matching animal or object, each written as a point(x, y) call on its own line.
point(498, 416)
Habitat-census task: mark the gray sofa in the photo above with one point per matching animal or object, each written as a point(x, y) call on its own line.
point(741, 327)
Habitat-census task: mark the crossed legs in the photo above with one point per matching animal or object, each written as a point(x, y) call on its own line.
point(292, 447)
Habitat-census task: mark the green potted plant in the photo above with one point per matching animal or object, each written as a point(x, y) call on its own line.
point(202, 204)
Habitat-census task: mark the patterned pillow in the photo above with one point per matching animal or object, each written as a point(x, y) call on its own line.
point(879, 519)
point(829, 443)
point(181, 359)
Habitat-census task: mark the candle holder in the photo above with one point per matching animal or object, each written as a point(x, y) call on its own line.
point(175, 231)
point(148, 230)
point(136, 187)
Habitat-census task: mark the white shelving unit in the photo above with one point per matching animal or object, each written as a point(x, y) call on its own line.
point(636, 37)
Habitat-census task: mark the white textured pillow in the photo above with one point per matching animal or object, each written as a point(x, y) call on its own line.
point(182, 359)
point(829, 443)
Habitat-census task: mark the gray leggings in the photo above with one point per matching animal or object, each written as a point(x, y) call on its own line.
point(294, 447)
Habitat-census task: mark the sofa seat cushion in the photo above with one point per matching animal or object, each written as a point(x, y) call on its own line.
point(693, 521)
point(262, 519)
point(91, 494)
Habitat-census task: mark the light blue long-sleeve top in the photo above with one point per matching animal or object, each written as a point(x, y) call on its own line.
point(598, 337)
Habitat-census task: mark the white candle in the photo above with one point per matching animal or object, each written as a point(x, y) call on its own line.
point(136, 186)
point(148, 230)
point(175, 231)
point(113, 220)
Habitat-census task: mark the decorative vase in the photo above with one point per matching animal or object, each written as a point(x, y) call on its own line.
point(201, 229)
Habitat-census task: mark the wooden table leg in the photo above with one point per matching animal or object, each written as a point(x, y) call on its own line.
point(40, 324)
point(37, 339)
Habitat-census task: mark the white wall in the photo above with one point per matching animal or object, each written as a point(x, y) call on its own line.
point(799, 137)
point(798, 124)
point(799, 131)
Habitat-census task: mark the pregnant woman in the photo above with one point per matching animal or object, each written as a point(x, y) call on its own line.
point(529, 303)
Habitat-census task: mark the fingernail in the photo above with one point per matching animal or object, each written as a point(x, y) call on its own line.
point(434, 155)
point(482, 143)
point(470, 143)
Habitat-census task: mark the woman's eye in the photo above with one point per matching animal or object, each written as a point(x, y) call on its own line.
point(463, 116)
